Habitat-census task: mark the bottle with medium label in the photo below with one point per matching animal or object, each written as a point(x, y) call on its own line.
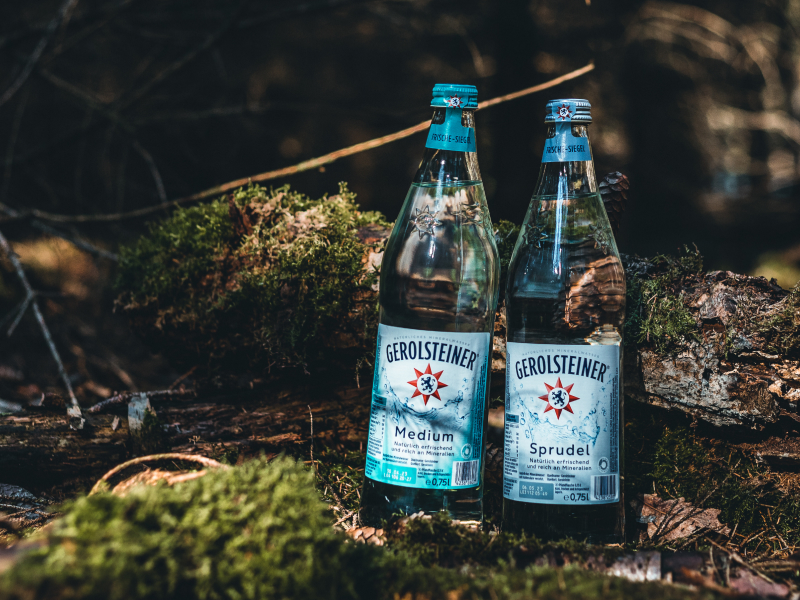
point(565, 305)
point(438, 296)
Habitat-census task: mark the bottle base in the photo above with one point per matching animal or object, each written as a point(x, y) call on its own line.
point(380, 502)
point(598, 524)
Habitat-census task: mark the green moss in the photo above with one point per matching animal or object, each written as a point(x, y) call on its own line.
point(666, 457)
point(656, 314)
point(260, 531)
point(251, 532)
point(270, 278)
point(342, 473)
point(781, 326)
point(435, 542)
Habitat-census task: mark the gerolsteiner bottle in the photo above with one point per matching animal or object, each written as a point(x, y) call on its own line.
point(438, 296)
point(565, 303)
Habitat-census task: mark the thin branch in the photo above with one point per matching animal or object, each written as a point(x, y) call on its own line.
point(125, 397)
point(65, 9)
point(151, 164)
point(185, 59)
point(303, 166)
point(20, 313)
point(196, 458)
point(74, 240)
point(291, 8)
point(12, 143)
point(93, 103)
point(74, 410)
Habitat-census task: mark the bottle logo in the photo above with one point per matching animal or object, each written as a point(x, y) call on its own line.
point(455, 102)
point(425, 221)
point(564, 112)
point(558, 398)
point(427, 384)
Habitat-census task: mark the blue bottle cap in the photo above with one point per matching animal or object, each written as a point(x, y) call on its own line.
point(568, 109)
point(448, 95)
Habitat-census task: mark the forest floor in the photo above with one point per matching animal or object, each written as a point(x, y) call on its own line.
point(306, 422)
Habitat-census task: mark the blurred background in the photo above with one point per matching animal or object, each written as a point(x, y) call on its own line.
point(114, 105)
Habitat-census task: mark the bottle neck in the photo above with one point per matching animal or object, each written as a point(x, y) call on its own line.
point(567, 166)
point(450, 156)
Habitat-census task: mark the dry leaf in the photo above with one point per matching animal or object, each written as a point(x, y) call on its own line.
point(676, 519)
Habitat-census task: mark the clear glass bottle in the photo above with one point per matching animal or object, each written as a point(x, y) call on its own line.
point(438, 296)
point(565, 306)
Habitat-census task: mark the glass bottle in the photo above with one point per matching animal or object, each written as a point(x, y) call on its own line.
point(565, 306)
point(438, 296)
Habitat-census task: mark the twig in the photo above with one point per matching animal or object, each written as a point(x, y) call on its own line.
point(74, 409)
point(125, 397)
point(20, 312)
point(182, 378)
point(311, 414)
point(206, 462)
point(66, 8)
point(344, 518)
point(289, 8)
point(94, 104)
point(12, 142)
point(303, 166)
point(75, 241)
point(151, 164)
point(741, 561)
point(49, 229)
point(185, 59)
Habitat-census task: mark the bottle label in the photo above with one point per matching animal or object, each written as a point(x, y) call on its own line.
point(562, 424)
point(451, 135)
point(565, 147)
point(428, 403)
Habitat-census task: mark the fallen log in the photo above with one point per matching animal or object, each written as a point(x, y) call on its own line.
point(36, 446)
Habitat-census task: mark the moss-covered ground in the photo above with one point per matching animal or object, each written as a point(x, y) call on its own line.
point(261, 531)
point(669, 456)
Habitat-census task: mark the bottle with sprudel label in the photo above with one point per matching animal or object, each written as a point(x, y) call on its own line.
point(438, 296)
point(565, 306)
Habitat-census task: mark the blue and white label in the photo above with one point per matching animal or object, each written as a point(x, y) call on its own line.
point(428, 404)
point(565, 147)
point(451, 135)
point(562, 424)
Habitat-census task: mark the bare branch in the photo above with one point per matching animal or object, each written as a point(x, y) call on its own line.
point(125, 397)
point(307, 165)
point(185, 59)
point(12, 143)
point(74, 240)
point(151, 164)
point(65, 9)
point(74, 410)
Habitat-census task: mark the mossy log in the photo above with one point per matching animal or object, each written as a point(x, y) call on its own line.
point(272, 281)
